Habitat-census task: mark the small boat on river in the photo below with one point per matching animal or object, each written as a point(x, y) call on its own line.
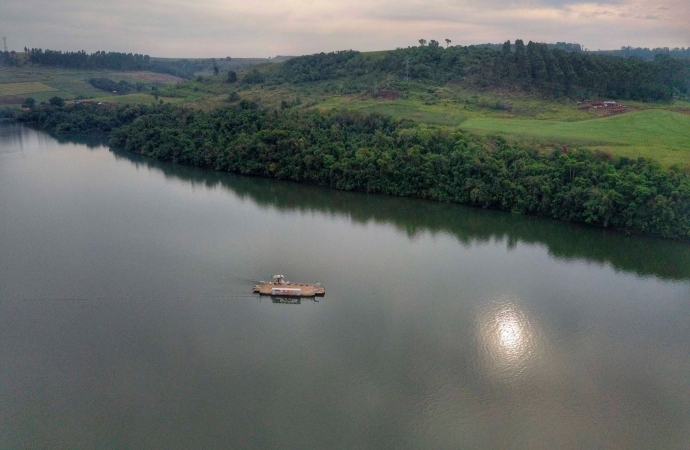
point(279, 287)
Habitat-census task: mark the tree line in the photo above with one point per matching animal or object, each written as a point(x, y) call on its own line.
point(647, 53)
point(377, 154)
point(100, 60)
point(8, 58)
point(83, 60)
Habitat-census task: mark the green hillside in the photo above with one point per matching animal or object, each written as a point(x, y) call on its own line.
point(474, 88)
point(655, 133)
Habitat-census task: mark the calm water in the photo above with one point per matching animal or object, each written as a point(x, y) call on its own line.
point(126, 319)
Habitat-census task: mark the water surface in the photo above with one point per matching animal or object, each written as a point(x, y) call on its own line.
point(126, 319)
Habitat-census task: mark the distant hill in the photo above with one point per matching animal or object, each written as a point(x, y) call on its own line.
point(179, 67)
point(531, 67)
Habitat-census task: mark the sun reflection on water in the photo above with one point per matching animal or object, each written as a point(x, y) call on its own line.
point(507, 338)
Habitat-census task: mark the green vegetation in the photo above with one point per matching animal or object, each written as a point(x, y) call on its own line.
point(84, 119)
point(57, 101)
point(647, 53)
point(134, 99)
point(24, 88)
point(123, 87)
point(654, 134)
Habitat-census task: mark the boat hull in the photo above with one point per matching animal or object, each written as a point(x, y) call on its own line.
point(289, 290)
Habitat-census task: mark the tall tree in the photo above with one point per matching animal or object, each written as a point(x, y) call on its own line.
point(520, 58)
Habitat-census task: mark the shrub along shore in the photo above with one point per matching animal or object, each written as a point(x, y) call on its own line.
point(376, 154)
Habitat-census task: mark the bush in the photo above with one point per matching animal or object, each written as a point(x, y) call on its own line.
point(108, 85)
point(254, 77)
point(57, 101)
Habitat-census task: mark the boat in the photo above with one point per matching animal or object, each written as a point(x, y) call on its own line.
point(279, 287)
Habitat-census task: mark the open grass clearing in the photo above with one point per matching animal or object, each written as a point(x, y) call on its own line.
point(443, 114)
point(134, 99)
point(7, 89)
point(654, 133)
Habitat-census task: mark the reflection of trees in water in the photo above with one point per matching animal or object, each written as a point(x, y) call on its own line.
point(91, 142)
point(636, 254)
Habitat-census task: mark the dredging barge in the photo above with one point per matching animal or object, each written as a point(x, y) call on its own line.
point(279, 287)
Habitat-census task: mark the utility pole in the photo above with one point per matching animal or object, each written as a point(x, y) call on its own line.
point(4, 41)
point(407, 69)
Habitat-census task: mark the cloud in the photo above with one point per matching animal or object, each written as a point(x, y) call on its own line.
point(240, 28)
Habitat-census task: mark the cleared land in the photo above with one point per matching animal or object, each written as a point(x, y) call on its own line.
point(70, 84)
point(655, 133)
point(24, 88)
point(139, 98)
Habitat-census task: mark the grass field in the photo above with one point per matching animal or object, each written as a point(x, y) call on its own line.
point(69, 84)
point(134, 99)
point(654, 133)
point(23, 88)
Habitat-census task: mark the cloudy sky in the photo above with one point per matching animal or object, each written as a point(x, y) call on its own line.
point(204, 28)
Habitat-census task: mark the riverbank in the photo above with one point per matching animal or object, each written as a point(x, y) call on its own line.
point(376, 154)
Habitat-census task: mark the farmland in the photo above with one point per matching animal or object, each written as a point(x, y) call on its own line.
point(41, 83)
point(24, 88)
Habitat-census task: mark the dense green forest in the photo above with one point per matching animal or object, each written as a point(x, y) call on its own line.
point(373, 153)
point(532, 67)
point(85, 119)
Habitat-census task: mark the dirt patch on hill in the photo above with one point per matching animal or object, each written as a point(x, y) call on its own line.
point(682, 110)
point(153, 77)
point(390, 94)
point(606, 112)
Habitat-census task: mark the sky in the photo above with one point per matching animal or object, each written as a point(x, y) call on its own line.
point(219, 28)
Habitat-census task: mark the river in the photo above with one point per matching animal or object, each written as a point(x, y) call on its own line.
point(127, 319)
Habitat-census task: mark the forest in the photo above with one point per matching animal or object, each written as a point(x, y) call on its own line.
point(376, 154)
point(532, 67)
